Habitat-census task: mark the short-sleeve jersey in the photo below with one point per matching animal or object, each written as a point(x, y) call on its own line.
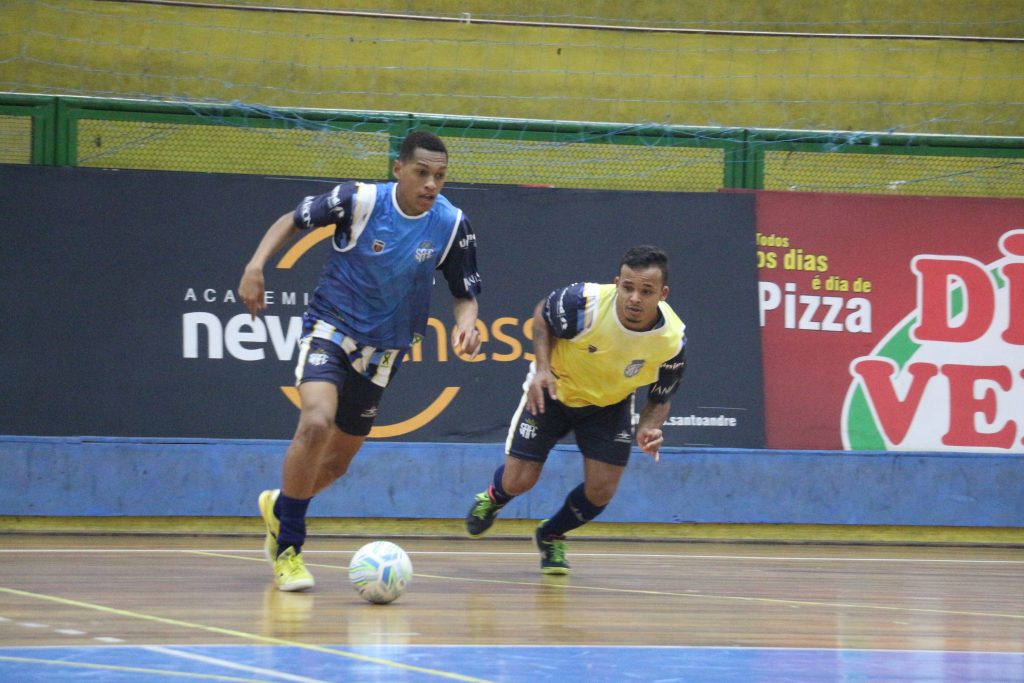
point(598, 361)
point(376, 283)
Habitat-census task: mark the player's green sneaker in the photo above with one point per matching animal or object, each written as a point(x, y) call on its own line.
point(552, 552)
point(481, 515)
point(290, 573)
point(267, 500)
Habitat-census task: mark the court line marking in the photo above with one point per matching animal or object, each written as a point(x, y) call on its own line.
point(217, 661)
point(127, 669)
point(240, 634)
point(62, 631)
point(522, 646)
point(307, 553)
point(639, 591)
point(740, 598)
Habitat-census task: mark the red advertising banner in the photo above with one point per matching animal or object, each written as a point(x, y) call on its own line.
point(892, 323)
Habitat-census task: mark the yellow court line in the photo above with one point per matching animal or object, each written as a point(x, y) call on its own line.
point(129, 669)
point(741, 598)
point(240, 634)
point(639, 591)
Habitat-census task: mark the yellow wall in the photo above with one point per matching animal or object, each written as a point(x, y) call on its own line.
point(337, 62)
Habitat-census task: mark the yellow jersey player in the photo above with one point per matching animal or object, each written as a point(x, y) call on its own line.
point(595, 344)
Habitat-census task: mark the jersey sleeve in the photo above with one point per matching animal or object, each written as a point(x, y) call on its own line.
point(670, 374)
point(332, 208)
point(459, 264)
point(565, 310)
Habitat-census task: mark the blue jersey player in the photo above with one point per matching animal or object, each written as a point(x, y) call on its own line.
point(370, 304)
point(595, 345)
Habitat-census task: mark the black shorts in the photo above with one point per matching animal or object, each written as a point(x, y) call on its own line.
point(604, 433)
point(321, 360)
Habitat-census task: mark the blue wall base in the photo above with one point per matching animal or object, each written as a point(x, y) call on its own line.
point(98, 476)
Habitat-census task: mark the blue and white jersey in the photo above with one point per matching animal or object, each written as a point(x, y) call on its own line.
point(375, 286)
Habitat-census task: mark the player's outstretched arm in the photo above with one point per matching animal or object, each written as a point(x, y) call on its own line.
point(649, 436)
point(252, 288)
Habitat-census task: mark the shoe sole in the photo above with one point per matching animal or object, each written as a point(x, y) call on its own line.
point(555, 571)
point(296, 586)
point(482, 533)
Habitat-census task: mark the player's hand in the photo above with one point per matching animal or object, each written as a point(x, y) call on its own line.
point(542, 380)
point(649, 441)
point(252, 290)
point(466, 341)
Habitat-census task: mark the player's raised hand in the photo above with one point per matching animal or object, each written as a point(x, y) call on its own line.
point(252, 291)
point(650, 440)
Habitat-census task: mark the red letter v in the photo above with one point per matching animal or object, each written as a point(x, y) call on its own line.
point(893, 414)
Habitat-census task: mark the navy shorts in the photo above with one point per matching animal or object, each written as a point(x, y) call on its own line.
point(321, 360)
point(604, 433)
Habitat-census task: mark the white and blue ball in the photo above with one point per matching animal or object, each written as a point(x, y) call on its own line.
point(380, 572)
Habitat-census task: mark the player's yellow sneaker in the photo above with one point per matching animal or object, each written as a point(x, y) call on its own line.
point(267, 500)
point(290, 573)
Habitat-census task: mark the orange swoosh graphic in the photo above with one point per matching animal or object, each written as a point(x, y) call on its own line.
point(380, 431)
point(399, 428)
point(303, 245)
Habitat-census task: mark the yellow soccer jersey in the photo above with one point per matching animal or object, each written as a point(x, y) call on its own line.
point(598, 361)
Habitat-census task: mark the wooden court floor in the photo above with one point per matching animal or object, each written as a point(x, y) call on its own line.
point(163, 607)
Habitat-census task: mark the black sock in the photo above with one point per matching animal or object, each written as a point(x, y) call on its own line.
point(497, 492)
point(575, 512)
point(292, 514)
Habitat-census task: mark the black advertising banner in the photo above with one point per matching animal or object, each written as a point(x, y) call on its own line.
point(121, 317)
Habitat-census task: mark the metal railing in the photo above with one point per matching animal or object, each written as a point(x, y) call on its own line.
point(214, 138)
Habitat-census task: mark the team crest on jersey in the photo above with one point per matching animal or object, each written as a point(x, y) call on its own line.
point(424, 252)
point(318, 357)
point(634, 368)
point(378, 246)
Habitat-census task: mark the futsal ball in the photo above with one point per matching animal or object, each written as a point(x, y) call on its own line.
point(380, 572)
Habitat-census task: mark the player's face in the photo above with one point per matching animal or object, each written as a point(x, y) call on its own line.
point(637, 295)
point(420, 180)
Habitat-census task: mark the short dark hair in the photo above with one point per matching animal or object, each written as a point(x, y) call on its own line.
point(645, 256)
point(420, 139)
